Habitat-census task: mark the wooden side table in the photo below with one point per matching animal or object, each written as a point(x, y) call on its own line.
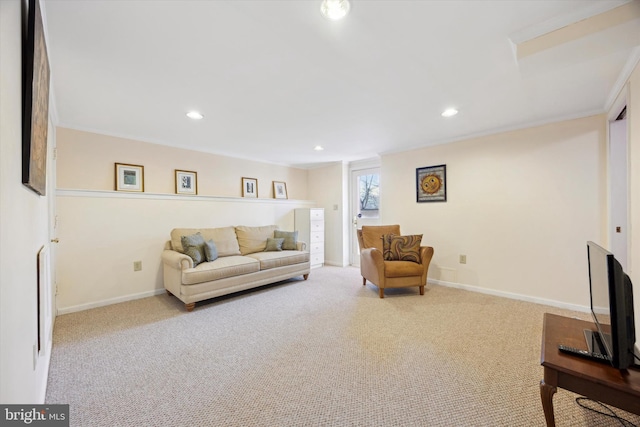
point(595, 380)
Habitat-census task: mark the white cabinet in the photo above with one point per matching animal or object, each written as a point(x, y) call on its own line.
point(310, 226)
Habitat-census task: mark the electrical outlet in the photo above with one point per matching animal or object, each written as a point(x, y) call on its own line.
point(463, 259)
point(137, 265)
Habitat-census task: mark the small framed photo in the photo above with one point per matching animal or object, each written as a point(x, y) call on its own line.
point(186, 182)
point(279, 190)
point(129, 177)
point(431, 184)
point(249, 187)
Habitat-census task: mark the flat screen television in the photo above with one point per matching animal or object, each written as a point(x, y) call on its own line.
point(611, 297)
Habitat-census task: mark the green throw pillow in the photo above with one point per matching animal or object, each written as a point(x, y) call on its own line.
point(274, 244)
point(194, 247)
point(401, 248)
point(290, 239)
point(210, 250)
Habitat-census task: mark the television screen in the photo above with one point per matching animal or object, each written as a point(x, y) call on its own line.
point(611, 297)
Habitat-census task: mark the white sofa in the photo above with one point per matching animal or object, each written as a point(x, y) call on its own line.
point(242, 263)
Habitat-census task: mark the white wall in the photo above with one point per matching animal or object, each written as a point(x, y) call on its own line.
point(520, 205)
point(102, 234)
point(23, 231)
point(634, 190)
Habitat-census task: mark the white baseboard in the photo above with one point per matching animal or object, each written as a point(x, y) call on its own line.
point(124, 298)
point(511, 295)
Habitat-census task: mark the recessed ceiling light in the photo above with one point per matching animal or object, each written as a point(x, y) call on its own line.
point(194, 115)
point(449, 112)
point(318, 148)
point(335, 9)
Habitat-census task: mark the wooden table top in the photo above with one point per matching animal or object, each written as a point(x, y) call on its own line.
point(569, 331)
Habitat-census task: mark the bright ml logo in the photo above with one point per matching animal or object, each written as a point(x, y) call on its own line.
point(34, 415)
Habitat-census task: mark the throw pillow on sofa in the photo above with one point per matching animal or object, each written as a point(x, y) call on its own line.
point(210, 250)
point(274, 244)
point(401, 248)
point(290, 239)
point(193, 246)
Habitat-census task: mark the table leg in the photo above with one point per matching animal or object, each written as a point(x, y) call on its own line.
point(546, 394)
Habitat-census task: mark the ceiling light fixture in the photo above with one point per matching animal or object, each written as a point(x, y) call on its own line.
point(449, 112)
point(335, 9)
point(318, 148)
point(194, 115)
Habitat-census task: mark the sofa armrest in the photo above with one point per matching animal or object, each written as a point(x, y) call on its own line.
point(301, 246)
point(176, 259)
point(372, 266)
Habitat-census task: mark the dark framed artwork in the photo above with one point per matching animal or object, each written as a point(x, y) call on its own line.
point(35, 96)
point(431, 184)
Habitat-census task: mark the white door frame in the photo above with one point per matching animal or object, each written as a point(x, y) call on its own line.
point(355, 169)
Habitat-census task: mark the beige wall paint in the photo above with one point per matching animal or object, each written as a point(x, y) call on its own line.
point(521, 206)
point(86, 161)
point(327, 187)
point(102, 231)
point(23, 231)
point(102, 234)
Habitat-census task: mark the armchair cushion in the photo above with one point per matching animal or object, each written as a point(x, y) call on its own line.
point(401, 248)
point(372, 235)
point(402, 269)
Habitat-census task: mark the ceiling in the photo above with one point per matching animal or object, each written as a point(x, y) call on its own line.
point(275, 78)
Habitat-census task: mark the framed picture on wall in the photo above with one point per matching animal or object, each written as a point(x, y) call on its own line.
point(279, 190)
point(186, 182)
point(129, 177)
point(431, 184)
point(249, 187)
point(35, 101)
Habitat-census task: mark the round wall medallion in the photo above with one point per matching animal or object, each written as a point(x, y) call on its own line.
point(431, 184)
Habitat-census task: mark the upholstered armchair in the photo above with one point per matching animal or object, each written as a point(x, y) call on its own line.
point(406, 263)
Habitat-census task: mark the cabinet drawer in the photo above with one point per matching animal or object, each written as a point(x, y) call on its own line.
point(316, 248)
point(316, 259)
point(316, 226)
point(317, 237)
point(316, 214)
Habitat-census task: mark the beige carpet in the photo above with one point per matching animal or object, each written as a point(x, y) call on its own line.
point(325, 352)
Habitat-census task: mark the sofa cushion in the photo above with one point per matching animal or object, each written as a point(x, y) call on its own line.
point(221, 268)
point(193, 246)
point(372, 234)
point(273, 244)
point(210, 250)
point(224, 238)
point(279, 259)
point(254, 239)
point(401, 248)
point(290, 239)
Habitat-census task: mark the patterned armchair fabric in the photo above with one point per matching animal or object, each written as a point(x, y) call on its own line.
point(390, 260)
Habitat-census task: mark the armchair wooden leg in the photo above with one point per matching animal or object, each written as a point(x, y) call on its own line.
point(364, 281)
point(422, 290)
point(190, 306)
point(381, 292)
point(305, 276)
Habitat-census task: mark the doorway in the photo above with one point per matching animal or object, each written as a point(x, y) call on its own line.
point(618, 188)
point(365, 205)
